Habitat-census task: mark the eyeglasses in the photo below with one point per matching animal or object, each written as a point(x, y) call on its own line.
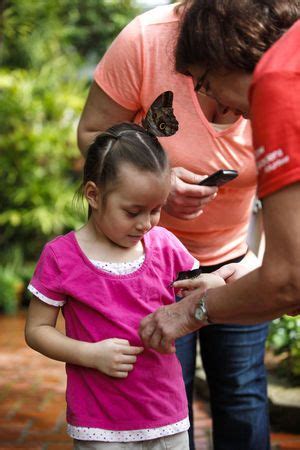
point(204, 90)
point(199, 88)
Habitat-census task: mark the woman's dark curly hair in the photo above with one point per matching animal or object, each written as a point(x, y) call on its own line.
point(231, 34)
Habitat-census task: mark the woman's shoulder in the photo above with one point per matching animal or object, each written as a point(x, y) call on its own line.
point(150, 23)
point(159, 15)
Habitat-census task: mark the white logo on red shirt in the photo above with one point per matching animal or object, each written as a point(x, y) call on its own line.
point(271, 161)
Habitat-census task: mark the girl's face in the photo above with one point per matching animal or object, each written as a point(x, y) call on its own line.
point(229, 90)
point(131, 208)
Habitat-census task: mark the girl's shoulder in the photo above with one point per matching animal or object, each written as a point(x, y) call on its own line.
point(162, 235)
point(61, 240)
point(165, 245)
point(61, 245)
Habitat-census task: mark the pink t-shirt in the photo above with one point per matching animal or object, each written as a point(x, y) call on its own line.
point(139, 66)
point(99, 305)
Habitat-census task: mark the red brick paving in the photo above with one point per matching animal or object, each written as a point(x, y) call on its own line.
point(32, 405)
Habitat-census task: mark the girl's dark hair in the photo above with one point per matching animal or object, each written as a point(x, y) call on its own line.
point(231, 34)
point(123, 143)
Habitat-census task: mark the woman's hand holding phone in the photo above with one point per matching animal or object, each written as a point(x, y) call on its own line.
point(219, 178)
point(187, 198)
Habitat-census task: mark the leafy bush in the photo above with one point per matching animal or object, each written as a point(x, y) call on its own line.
point(72, 28)
point(44, 49)
point(14, 278)
point(284, 336)
point(38, 116)
point(10, 286)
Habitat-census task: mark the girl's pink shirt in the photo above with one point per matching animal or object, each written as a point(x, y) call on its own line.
point(139, 66)
point(98, 305)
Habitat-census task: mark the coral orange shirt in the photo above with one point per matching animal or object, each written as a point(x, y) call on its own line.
point(275, 100)
point(139, 66)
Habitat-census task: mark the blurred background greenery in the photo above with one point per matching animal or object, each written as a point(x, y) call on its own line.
point(48, 50)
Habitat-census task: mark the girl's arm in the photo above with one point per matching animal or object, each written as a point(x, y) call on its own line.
point(114, 357)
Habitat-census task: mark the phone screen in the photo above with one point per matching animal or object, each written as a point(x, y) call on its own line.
point(219, 178)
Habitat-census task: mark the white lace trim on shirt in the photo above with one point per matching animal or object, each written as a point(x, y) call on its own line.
point(115, 268)
point(119, 268)
point(196, 264)
point(99, 434)
point(43, 297)
point(124, 268)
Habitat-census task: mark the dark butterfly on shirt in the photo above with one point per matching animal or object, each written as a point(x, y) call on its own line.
point(160, 120)
point(187, 274)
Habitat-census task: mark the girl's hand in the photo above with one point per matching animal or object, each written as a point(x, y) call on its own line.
point(204, 281)
point(234, 271)
point(114, 357)
point(187, 199)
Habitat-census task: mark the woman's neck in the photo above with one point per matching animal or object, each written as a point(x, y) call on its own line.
point(211, 113)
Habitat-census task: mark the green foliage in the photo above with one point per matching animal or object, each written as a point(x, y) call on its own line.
point(34, 32)
point(9, 286)
point(284, 336)
point(45, 46)
point(14, 278)
point(11, 281)
point(38, 116)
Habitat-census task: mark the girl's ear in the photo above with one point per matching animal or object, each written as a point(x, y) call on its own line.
point(92, 194)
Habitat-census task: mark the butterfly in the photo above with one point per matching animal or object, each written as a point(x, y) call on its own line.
point(186, 275)
point(160, 120)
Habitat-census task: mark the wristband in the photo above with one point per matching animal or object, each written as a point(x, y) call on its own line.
point(201, 311)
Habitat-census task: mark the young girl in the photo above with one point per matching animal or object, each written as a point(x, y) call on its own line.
point(106, 277)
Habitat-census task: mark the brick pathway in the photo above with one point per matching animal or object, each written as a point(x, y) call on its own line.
point(32, 406)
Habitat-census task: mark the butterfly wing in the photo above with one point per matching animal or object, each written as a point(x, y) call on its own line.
point(188, 274)
point(160, 119)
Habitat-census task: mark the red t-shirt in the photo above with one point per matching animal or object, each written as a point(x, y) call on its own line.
point(275, 109)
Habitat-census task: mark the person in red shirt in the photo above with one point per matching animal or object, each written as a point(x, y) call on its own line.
point(270, 96)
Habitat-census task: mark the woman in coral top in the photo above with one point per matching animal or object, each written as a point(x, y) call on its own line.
point(212, 223)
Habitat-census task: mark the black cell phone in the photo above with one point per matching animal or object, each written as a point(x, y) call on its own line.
point(220, 177)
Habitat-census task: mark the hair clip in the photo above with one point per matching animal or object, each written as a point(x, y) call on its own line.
point(160, 120)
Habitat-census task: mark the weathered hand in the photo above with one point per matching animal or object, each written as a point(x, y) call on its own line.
point(161, 328)
point(114, 357)
point(187, 199)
